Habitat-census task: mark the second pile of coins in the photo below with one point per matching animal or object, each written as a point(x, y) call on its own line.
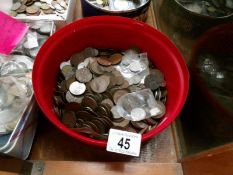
point(90, 84)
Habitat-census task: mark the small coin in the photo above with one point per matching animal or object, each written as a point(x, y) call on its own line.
point(151, 82)
point(16, 6)
point(159, 111)
point(21, 9)
point(138, 114)
point(124, 85)
point(44, 6)
point(135, 66)
point(151, 121)
point(69, 81)
point(100, 84)
point(94, 67)
point(90, 52)
point(139, 124)
point(76, 59)
point(124, 123)
point(77, 88)
point(136, 79)
point(71, 98)
point(89, 102)
point(83, 75)
point(115, 58)
point(84, 115)
point(104, 61)
point(119, 80)
point(158, 74)
point(32, 9)
point(49, 11)
point(67, 70)
point(118, 94)
point(64, 63)
point(108, 101)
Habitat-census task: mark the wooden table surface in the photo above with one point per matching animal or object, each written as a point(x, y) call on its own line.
point(62, 153)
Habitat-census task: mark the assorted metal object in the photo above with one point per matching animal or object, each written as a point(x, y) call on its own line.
point(96, 87)
point(214, 8)
point(38, 7)
point(129, 8)
point(38, 33)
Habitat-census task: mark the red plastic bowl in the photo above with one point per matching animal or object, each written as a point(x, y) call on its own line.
point(109, 32)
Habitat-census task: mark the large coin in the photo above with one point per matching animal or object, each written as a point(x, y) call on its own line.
point(77, 88)
point(83, 75)
point(100, 84)
point(138, 114)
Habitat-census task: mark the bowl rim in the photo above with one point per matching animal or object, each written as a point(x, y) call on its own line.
point(181, 66)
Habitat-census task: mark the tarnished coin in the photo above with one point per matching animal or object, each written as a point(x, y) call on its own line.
point(21, 9)
point(100, 84)
point(90, 52)
point(76, 59)
point(139, 124)
point(89, 102)
point(83, 75)
point(107, 101)
point(104, 61)
point(158, 74)
point(115, 58)
point(124, 123)
point(71, 98)
point(32, 9)
point(94, 67)
point(77, 88)
point(151, 82)
point(16, 6)
point(69, 81)
point(138, 114)
point(67, 70)
point(151, 121)
point(118, 94)
point(119, 80)
point(124, 85)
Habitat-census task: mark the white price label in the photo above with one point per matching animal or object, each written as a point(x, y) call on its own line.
point(32, 40)
point(124, 142)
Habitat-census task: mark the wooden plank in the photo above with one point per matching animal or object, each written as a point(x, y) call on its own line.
point(217, 161)
point(52, 144)
point(95, 168)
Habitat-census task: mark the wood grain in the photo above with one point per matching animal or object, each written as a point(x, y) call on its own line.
point(217, 161)
point(95, 168)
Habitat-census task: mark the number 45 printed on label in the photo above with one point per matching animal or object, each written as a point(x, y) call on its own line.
point(124, 142)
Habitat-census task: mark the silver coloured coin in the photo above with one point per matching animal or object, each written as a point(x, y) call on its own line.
point(135, 66)
point(138, 114)
point(77, 88)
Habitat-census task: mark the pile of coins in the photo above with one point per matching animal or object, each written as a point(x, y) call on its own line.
point(38, 33)
point(39, 7)
point(89, 86)
point(215, 8)
point(15, 89)
point(118, 5)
